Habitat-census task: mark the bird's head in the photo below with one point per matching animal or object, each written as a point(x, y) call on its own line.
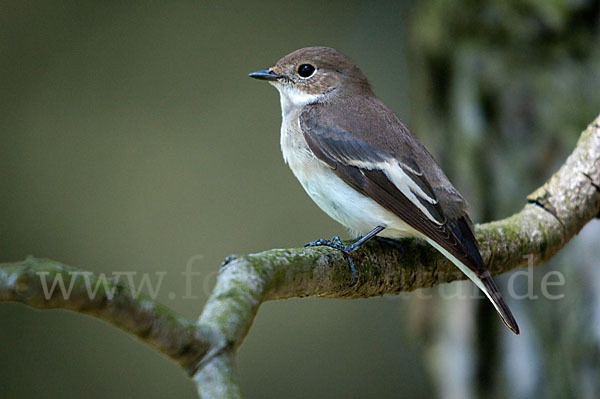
point(314, 74)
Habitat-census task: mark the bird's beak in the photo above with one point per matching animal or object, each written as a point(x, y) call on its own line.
point(267, 74)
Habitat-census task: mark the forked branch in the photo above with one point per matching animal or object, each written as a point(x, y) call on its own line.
point(554, 213)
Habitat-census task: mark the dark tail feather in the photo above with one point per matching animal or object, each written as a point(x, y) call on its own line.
point(498, 302)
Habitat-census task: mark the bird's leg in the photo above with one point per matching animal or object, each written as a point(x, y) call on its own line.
point(336, 243)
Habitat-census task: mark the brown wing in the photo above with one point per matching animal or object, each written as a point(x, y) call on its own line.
point(366, 166)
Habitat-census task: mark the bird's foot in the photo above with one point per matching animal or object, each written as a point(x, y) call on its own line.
point(336, 243)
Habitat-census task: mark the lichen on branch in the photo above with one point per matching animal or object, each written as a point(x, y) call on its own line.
point(553, 214)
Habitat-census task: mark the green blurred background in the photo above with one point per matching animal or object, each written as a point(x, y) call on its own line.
point(132, 140)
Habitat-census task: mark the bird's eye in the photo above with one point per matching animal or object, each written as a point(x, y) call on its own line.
point(306, 70)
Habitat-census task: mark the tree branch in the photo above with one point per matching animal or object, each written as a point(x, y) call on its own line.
point(553, 215)
point(30, 282)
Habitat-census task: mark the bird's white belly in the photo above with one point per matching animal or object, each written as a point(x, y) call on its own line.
point(360, 214)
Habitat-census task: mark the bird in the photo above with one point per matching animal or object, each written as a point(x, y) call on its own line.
point(363, 167)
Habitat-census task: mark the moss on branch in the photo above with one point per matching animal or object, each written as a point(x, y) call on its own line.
point(553, 214)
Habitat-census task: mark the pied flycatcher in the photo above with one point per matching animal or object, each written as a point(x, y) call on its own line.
point(364, 168)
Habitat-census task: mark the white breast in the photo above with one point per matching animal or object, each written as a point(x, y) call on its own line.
point(360, 214)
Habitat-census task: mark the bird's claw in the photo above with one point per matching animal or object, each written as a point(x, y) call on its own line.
point(336, 243)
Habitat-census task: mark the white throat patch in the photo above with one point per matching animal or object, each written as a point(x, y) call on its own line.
point(292, 98)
